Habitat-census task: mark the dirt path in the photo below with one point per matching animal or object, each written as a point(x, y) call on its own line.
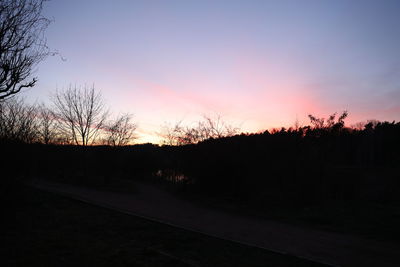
point(156, 204)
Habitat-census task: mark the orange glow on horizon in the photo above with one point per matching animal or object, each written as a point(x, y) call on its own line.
point(253, 96)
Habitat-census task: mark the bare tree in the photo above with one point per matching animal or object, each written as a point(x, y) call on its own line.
point(170, 134)
point(191, 135)
point(330, 123)
point(215, 127)
point(81, 114)
point(47, 125)
point(209, 127)
point(17, 121)
point(119, 132)
point(22, 44)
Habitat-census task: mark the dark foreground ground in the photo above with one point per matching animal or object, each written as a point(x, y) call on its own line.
point(376, 221)
point(50, 230)
point(152, 201)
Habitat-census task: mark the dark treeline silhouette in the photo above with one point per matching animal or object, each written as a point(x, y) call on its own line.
point(297, 166)
point(308, 165)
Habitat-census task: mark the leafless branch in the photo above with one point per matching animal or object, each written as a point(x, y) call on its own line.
point(120, 131)
point(81, 114)
point(22, 44)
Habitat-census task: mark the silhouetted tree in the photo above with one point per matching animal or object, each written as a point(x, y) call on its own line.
point(17, 121)
point(209, 127)
point(22, 45)
point(359, 126)
point(330, 123)
point(215, 127)
point(371, 124)
point(170, 134)
point(119, 132)
point(81, 114)
point(47, 125)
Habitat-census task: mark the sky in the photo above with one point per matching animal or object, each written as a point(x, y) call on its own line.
point(257, 64)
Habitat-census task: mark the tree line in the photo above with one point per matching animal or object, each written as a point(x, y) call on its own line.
point(301, 165)
point(323, 161)
point(78, 116)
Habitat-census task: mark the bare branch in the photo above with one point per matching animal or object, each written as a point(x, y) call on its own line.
point(47, 125)
point(22, 44)
point(18, 121)
point(209, 127)
point(81, 114)
point(120, 131)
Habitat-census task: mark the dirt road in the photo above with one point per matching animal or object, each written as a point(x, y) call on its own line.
point(154, 203)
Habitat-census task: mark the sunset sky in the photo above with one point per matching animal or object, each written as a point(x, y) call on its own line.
point(258, 64)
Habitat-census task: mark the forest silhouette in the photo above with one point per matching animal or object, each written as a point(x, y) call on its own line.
point(302, 165)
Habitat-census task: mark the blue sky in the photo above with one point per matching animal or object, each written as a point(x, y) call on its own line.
point(259, 64)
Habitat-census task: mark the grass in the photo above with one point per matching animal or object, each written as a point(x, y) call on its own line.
point(51, 230)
